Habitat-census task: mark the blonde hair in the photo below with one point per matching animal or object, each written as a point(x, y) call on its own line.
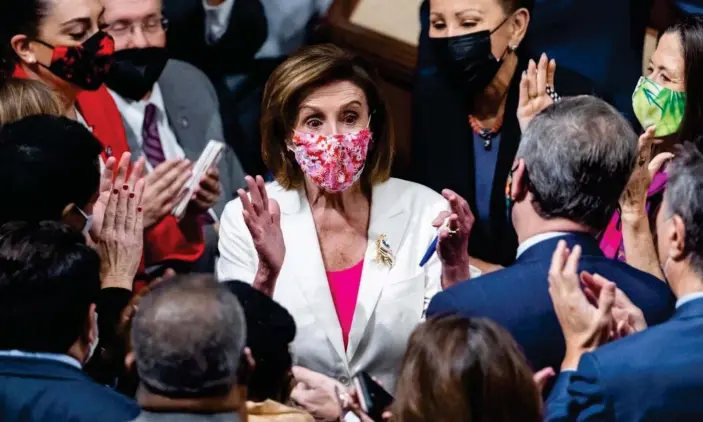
point(20, 98)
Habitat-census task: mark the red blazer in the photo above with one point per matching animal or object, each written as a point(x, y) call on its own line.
point(166, 241)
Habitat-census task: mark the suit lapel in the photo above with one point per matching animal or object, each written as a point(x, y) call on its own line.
point(180, 118)
point(310, 272)
point(388, 219)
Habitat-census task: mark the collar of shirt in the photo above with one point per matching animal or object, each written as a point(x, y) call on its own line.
point(217, 19)
point(527, 244)
point(688, 298)
point(68, 360)
point(133, 111)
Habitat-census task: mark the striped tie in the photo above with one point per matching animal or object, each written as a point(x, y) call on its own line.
point(151, 142)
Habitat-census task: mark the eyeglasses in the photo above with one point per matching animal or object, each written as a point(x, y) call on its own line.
point(149, 26)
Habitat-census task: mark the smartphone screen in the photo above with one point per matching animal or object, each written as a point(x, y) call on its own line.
point(373, 398)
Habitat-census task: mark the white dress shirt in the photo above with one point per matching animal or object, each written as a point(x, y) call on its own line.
point(287, 22)
point(133, 113)
point(532, 241)
point(688, 298)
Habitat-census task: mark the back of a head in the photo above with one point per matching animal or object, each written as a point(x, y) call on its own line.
point(48, 279)
point(46, 163)
point(683, 196)
point(270, 330)
point(462, 369)
point(20, 98)
point(579, 154)
point(188, 336)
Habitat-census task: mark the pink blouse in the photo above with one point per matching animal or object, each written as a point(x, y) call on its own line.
point(344, 286)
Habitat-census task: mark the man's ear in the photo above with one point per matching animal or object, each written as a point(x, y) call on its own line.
point(129, 361)
point(91, 333)
point(518, 189)
point(677, 244)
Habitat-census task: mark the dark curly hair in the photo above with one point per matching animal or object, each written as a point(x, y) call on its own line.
point(18, 17)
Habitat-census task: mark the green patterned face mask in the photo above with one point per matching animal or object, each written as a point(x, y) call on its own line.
point(657, 105)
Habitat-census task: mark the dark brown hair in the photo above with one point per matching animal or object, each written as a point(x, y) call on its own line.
point(690, 32)
point(468, 370)
point(295, 79)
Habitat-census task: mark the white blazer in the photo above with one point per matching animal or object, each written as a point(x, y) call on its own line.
point(391, 301)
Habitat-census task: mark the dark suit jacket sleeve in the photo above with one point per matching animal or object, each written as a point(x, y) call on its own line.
point(579, 396)
point(441, 303)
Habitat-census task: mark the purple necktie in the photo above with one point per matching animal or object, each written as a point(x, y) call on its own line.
point(151, 142)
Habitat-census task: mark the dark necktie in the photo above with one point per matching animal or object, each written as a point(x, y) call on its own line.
point(151, 142)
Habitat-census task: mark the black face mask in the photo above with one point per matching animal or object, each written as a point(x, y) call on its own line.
point(135, 70)
point(468, 59)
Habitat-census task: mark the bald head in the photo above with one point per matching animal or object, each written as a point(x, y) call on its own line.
point(188, 336)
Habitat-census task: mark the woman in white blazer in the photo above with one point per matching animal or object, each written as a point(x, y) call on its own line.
point(334, 239)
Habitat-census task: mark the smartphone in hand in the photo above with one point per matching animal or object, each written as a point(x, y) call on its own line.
point(373, 398)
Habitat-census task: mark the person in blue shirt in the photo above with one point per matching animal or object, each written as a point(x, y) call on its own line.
point(653, 374)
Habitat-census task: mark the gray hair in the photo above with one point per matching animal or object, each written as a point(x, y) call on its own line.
point(579, 155)
point(683, 196)
point(188, 336)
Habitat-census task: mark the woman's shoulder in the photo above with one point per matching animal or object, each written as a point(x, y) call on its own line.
point(404, 191)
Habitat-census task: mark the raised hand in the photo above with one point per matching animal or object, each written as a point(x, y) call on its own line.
point(121, 236)
point(163, 190)
point(453, 239)
point(533, 89)
point(262, 217)
point(634, 199)
point(585, 326)
point(627, 317)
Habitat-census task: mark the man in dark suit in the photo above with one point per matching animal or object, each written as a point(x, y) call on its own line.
point(184, 111)
point(573, 163)
point(222, 38)
point(49, 282)
point(656, 374)
point(188, 340)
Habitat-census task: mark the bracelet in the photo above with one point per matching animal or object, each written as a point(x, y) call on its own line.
point(553, 94)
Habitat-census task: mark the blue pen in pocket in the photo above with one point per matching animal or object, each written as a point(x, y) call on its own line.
point(430, 251)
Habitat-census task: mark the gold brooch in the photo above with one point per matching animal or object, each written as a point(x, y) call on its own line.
point(384, 255)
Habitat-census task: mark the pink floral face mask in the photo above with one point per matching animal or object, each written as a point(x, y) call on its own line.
point(332, 162)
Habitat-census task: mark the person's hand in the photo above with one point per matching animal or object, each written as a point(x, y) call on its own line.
point(453, 239)
point(628, 318)
point(163, 189)
point(121, 237)
point(208, 192)
point(262, 217)
point(634, 199)
point(355, 406)
point(533, 89)
point(110, 179)
point(542, 377)
point(318, 394)
point(585, 327)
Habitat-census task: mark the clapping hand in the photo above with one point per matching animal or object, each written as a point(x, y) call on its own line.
point(122, 235)
point(533, 89)
point(262, 217)
point(319, 394)
point(585, 326)
point(634, 199)
point(627, 317)
point(453, 239)
point(164, 188)
point(208, 192)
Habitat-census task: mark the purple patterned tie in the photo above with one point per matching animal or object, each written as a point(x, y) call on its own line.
point(151, 142)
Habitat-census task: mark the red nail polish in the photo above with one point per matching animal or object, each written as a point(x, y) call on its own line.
point(131, 196)
point(125, 187)
point(139, 209)
point(115, 191)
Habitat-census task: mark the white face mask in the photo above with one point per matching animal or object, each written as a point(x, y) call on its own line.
point(94, 344)
point(88, 222)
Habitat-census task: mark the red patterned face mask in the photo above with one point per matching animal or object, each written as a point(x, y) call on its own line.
point(85, 65)
point(333, 162)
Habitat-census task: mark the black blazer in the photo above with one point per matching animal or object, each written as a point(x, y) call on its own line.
point(443, 154)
